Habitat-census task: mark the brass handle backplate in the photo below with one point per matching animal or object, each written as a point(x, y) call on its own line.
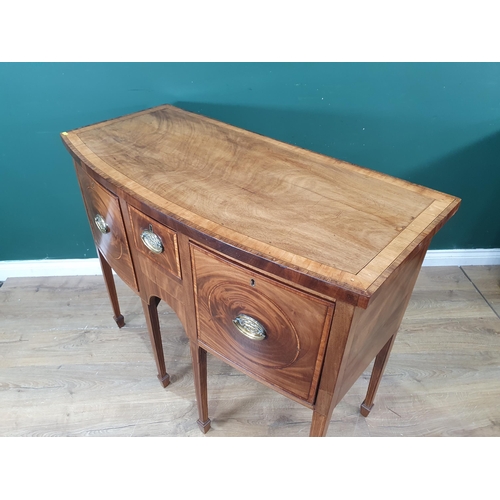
point(152, 240)
point(249, 327)
point(101, 224)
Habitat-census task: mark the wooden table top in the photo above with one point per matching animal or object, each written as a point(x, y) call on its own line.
point(325, 217)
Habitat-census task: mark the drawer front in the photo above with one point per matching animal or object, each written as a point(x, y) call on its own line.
point(272, 332)
point(106, 222)
point(156, 242)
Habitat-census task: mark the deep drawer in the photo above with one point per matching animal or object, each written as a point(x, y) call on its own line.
point(106, 222)
point(271, 331)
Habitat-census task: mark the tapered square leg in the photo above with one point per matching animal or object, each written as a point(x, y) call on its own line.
point(199, 357)
point(319, 425)
point(151, 314)
point(110, 285)
point(376, 377)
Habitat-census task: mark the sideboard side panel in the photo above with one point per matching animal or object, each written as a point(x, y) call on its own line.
point(374, 326)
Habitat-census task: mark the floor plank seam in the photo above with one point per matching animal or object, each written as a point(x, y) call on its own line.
point(480, 293)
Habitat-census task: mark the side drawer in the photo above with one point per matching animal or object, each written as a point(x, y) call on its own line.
point(156, 242)
point(273, 332)
point(108, 229)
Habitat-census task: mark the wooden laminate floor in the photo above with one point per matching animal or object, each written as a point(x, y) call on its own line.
point(67, 370)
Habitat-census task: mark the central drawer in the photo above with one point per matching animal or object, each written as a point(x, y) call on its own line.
point(156, 242)
point(272, 332)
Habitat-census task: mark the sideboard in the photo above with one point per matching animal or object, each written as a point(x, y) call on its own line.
point(290, 266)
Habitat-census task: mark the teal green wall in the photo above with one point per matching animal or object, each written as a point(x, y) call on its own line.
point(433, 124)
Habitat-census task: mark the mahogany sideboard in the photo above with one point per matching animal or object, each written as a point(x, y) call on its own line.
point(292, 267)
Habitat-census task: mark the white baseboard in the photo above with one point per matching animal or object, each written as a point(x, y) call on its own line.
point(474, 257)
point(86, 267)
point(49, 267)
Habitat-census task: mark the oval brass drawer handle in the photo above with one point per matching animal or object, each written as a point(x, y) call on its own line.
point(249, 327)
point(101, 224)
point(152, 240)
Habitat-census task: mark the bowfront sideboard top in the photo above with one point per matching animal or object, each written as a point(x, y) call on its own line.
point(206, 193)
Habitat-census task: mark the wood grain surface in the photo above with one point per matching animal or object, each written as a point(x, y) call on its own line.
point(67, 370)
point(168, 259)
point(303, 210)
point(296, 325)
point(114, 244)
